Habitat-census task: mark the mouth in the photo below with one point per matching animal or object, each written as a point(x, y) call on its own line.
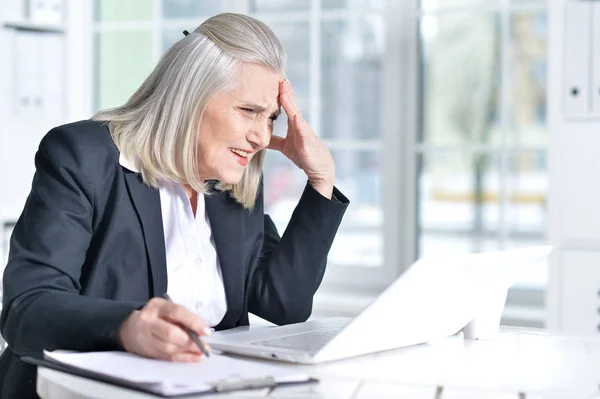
point(243, 157)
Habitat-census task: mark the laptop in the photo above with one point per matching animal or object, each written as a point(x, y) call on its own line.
point(434, 298)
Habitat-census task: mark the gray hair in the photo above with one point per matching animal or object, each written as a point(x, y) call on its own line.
point(157, 128)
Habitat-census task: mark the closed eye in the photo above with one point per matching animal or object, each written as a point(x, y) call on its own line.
point(247, 110)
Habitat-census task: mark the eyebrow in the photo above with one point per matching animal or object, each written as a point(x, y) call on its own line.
point(260, 108)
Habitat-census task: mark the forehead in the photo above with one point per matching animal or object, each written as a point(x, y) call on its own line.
point(257, 84)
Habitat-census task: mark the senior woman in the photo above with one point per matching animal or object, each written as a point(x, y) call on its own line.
point(164, 195)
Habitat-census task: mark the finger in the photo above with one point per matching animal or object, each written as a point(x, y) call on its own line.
point(155, 303)
point(164, 350)
point(196, 344)
point(289, 90)
point(277, 143)
point(178, 314)
point(299, 125)
point(286, 87)
point(187, 357)
point(166, 331)
point(170, 332)
point(167, 349)
point(289, 106)
point(194, 348)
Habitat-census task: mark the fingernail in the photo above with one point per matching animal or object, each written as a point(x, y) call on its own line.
point(208, 331)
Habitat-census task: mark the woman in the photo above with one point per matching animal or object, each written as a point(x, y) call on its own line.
point(164, 195)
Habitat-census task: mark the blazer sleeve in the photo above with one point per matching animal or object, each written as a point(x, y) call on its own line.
point(42, 308)
point(290, 268)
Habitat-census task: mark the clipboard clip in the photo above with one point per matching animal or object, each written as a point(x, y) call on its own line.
point(235, 383)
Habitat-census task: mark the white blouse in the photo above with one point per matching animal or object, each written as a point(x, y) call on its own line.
point(194, 274)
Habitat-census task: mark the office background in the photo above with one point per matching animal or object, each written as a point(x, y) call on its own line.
point(436, 112)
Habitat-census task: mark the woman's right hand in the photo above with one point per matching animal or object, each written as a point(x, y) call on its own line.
point(155, 332)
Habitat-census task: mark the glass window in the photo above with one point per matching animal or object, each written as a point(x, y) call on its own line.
point(357, 248)
point(359, 175)
point(294, 37)
point(345, 4)
point(527, 213)
point(432, 5)
point(284, 184)
point(119, 11)
point(481, 149)
point(460, 62)
point(351, 62)
point(190, 9)
point(171, 36)
point(359, 242)
point(528, 54)
point(279, 6)
point(458, 202)
point(527, 188)
point(124, 60)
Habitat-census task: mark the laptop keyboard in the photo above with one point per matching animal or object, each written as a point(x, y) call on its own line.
point(310, 342)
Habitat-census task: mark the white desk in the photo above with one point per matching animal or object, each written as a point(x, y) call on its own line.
point(519, 364)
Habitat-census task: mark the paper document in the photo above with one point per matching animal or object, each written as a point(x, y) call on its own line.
point(171, 378)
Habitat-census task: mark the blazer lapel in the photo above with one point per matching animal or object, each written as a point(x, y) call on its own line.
point(146, 201)
point(227, 227)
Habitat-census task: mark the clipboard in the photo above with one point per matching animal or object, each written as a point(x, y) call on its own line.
point(223, 385)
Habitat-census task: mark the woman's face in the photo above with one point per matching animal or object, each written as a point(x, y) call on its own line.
point(238, 123)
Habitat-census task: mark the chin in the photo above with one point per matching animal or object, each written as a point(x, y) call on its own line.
point(230, 178)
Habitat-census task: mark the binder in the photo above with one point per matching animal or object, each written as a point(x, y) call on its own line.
point(270, 376)
point(38, 65)
point(24, 65)
point(51, 51)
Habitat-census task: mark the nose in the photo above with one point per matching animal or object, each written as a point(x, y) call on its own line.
point(260, 135)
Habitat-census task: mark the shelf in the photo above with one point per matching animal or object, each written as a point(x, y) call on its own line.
point(34, 27)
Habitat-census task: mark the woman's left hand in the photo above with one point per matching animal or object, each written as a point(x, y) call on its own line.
point(302, 146)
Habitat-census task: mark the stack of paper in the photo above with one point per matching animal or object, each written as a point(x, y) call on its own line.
point(217, 373)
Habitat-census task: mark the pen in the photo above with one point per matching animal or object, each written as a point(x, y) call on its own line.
point(191, 333)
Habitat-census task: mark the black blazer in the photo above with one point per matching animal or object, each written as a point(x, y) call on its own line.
point(89, 248)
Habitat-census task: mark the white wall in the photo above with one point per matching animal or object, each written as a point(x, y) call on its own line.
point(573, 297)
